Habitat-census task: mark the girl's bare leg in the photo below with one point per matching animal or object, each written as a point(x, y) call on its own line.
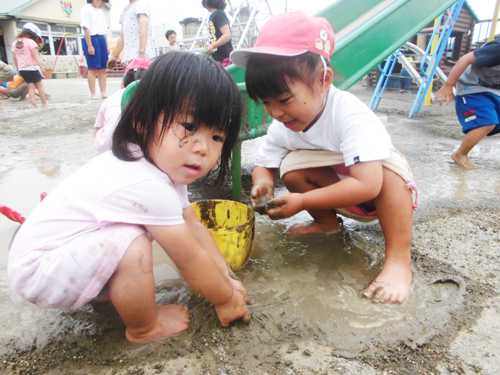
point(102, 82)
point(41, 93)
point(132, 292)
point(303, 180)
point(91, 81)
point(395, 213)
point(472, 138)
point(31, 94)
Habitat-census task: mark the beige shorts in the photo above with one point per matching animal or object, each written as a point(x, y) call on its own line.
point(305, 159)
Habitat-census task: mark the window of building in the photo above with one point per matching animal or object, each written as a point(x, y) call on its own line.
point(52, 35)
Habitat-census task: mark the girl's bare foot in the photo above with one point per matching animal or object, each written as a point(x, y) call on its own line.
point(104, 95)
point(171, 320)
point(94, 97)
point(392, 285)
point(311, 229)
point(463, 161)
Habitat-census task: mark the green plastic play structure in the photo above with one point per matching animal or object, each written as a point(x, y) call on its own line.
point(367, 31)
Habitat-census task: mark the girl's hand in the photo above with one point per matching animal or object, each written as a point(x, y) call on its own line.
point(236, 284)
point(233, 309)
point(91, 50)
point(259, 196)
point(284, 206)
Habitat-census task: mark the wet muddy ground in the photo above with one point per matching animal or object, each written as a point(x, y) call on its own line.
point(309, 316)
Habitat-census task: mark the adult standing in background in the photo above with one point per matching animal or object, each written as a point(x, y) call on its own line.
point(95, 44)
point(136, 35)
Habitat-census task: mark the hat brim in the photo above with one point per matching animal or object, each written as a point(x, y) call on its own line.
point(240, 57)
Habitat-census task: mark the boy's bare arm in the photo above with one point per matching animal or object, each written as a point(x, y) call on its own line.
point(445, 93)
point(364, 185)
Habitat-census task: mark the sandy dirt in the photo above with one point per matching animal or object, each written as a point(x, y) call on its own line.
point(309, 316)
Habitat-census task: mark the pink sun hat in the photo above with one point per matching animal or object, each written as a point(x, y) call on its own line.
point(290, 34)
point(139, 63)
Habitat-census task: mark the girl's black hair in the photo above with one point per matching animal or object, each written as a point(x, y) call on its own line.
point(133, 75)
point(170, 32)
point(217, 4)
point(179, 83)
point(266, 74)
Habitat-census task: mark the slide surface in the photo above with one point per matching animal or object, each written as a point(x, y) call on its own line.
point(367, 31)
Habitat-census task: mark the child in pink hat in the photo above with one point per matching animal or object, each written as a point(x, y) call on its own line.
point(334, 155)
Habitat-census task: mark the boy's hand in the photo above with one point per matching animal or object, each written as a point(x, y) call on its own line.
point(445, 93)
point(284, 206)
point(234, 309)
point(260, 195)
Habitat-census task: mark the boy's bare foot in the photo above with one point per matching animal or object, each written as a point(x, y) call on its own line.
point(392, 285)
point(104, 95)
point(463, 161)
point(94, 97)
point(311, 229)
point(171, 320)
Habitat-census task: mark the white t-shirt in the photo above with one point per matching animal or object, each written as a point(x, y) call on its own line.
point(129, 20)
point(104, 191)
point(346, 125)
point(106, 121)
point(93, 19)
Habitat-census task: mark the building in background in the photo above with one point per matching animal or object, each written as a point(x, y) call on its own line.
point(59, 22)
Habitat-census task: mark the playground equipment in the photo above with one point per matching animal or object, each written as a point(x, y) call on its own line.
point(245, 27)
point(430, 60)
point(367, 31)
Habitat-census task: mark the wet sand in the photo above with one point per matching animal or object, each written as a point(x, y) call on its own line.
point(309, 315)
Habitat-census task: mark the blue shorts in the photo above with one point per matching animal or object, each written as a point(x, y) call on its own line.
point(100, 59)
point(476, 110)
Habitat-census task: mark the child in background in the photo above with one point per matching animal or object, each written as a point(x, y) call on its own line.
point(95, 44)
point(95, 229)
point(171, 36)
point(111, 110)
point(333, 153)
point(28, 63)
point(477, 79)
point(220, 46)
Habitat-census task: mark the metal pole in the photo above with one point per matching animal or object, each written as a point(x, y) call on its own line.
point(494, 21)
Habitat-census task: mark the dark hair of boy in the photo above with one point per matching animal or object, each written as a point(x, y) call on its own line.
point(91, 1)
point(266, 74)
point(179, 83)
point(169, 32)
point(216, 4)
point(133, 75)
